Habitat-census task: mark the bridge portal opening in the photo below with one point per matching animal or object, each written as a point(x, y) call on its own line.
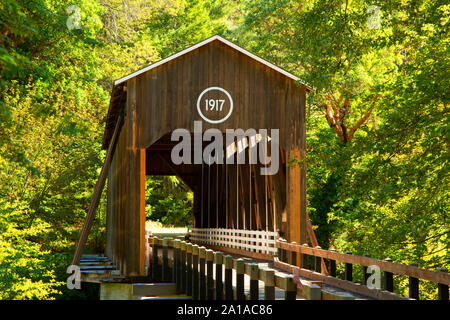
point(169, 187)
point(236, 196)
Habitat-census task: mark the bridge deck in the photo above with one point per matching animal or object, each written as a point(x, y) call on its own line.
point(96, 268)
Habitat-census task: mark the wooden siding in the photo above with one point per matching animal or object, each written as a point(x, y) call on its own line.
point(126, 191)
point(166, 96)
point(164, 99)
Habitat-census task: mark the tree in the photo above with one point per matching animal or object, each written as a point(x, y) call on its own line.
point(54, 92)
point(377, 120)
point(169, 201)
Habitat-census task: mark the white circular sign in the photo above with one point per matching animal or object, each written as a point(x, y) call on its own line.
point(214, 105)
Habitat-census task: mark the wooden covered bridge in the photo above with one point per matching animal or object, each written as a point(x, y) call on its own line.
point(249, 192)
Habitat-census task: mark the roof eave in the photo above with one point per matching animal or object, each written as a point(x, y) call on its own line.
point(204, 42)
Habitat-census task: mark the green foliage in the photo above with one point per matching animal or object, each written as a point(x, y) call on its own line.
point(48, 167)
point(169, 201)
point(54, 94)
point(400, 172)
point(25, 267)
point(377, 121)
point(191, 22)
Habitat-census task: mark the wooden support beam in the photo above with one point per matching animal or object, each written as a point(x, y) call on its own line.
point(242, 197)
point(142, 243)
point(253, 199)
point(245, 195)
point(314, 243)
point(260, 198)
point(233, 194)
point(176, 172)
point(270, 195)
point(96, 196)
point(295, 202)
point(279, 198)
point(133, 176)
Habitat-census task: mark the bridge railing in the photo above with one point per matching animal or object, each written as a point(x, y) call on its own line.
point(286, 260)
point(205, 274)
point(263, 242)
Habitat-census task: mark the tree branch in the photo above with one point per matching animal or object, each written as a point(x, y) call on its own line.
point(363, 119)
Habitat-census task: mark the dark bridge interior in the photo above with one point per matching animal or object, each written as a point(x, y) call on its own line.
point(226, 196)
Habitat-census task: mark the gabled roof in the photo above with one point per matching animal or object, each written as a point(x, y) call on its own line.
point(119, 96)
point(202, 43)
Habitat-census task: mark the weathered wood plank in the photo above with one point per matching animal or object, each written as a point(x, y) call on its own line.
point(96, 196)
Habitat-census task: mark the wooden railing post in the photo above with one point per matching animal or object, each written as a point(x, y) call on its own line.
point(165, 260)
point(290, 293)
point(318, 262)
point(279, 252)
point(388, 278)
point(283, 252)
point(189, 269)
point(269, 284)
point(228, 261)
point(442, 288)
point(414, 284)
point(183, 266)
point(348, 270)
point(332, 265)
point(195, 277)
point(293, 255)
point(177, 264)
point(173, 276)
point(218, 260)
point(202, 282)
point(305, 264)
point(315, 292)
point(155, 264)
point(365, 275)
point(253, 272)
point(209, 275)
point(240, 270)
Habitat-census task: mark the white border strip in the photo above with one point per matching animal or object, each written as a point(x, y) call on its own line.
point(202, 43)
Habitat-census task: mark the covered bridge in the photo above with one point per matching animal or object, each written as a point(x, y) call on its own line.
point(213, 84)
